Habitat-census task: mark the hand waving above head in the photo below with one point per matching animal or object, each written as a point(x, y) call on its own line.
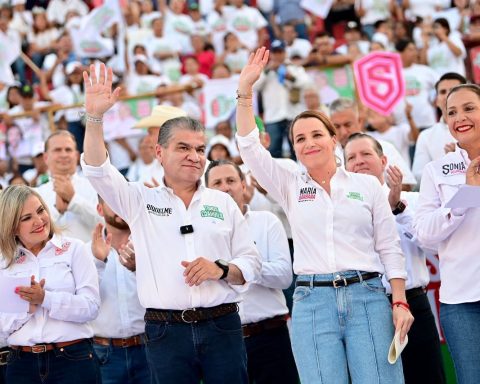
point(99, 97)
point(251, 72)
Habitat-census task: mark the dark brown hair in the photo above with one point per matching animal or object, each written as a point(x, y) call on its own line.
point(315, 115)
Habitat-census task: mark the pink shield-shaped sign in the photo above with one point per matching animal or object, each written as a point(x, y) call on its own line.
point(380, 82)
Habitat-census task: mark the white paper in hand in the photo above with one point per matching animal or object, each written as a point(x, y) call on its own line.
point(11, 302)
point(467, 196)
point(396, 348)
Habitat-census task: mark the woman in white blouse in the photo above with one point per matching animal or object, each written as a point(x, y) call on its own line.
point(455, 231)
point(344, 235)
point(50, 342)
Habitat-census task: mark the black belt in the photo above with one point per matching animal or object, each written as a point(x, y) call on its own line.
point(412, 293)
point(190, 315)
point(253, 329)
point(339, 281)
point(4, 356)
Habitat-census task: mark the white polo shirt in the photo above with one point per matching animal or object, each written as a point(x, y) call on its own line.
point(352, 229)
point(155, 216)
point(71, 298)
point(454, 232)
point(264, 298)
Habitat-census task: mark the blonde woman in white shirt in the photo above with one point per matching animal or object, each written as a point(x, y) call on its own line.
point(344, 236)
point(455, 231)
point(51, 342)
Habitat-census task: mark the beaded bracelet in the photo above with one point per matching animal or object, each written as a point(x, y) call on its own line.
point(93, 119)
point(244, 95)
point(243, 104)
point(401, 304)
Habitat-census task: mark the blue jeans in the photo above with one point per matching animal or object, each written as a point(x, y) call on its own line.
point(75, 364)
point(277, 132)
point(342, 331)
point(270, 357)
point(461, 326)
point(123, 365)
point(212, 350)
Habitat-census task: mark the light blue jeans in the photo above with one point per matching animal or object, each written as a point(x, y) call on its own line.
point(461, 326)
point(343, 333)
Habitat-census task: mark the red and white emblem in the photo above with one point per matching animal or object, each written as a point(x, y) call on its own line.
point(380, 81)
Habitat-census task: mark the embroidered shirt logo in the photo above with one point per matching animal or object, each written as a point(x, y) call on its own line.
point(211, 211)
point(307, 194)
point(20, 258)
point(355, 196)
point(60, 251)
point(454, 169)
point(159, 211)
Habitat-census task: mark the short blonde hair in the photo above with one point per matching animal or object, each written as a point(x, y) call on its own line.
point(12, 200)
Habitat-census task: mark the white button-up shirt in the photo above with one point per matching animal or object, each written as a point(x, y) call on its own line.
point(352, 229)
point(155, 216)
point(454, 232)
point(264, 298)
point(81, 217)
point(121, 315)
point(415, 258)
point(71, 300)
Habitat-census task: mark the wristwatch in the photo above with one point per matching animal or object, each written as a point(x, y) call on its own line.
point(224, 266)
point(399, 208)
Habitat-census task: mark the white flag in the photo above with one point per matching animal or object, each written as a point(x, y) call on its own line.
point(219, 100)
point(9, 52)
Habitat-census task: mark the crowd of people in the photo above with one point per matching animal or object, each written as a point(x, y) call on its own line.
point(256, 250)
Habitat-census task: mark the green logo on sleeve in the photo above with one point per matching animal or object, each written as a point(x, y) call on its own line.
point(355, 196)
point(211, 211)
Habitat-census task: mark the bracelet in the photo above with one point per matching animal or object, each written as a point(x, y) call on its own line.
point(93, 119)
point(401, 304)
point(244, 95)
point(244, 104)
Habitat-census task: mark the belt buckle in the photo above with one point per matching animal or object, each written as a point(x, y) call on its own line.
point(41, 348)
point(339, 279)
point(4, 357)
point(183, 316)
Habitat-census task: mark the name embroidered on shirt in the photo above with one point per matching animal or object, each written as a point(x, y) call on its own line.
point(159, 211)
point(211, 211)
point(454, 169)
point(307, 194)
point(355, 196)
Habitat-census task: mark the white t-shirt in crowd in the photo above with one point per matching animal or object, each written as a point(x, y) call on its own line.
point(441, 58)
point(245, 23)
point(419, 89)
point(398, 136)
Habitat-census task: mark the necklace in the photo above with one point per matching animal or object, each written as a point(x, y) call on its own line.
point(324, 181)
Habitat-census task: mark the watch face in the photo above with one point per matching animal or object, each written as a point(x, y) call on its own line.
point(223, 263)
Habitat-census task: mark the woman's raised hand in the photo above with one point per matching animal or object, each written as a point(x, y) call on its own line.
point(473, 172)
point(251, 72)
point(99, 97)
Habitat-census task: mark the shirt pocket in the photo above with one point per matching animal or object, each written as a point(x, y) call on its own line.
point(57, 273)
point(449, 186)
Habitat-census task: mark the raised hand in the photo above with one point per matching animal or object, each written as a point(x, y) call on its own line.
point(99, 97)
point(473, 172)
point(394, 182)
point(251, 72)
point(100, 246)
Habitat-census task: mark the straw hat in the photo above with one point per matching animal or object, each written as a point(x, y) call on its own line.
point(160, 114)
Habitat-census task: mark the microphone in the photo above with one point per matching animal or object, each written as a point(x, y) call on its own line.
point(186, 229)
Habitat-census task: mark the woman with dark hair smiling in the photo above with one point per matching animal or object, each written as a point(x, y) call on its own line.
point(455, 231)
point(53, 337)
point(345, 237)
